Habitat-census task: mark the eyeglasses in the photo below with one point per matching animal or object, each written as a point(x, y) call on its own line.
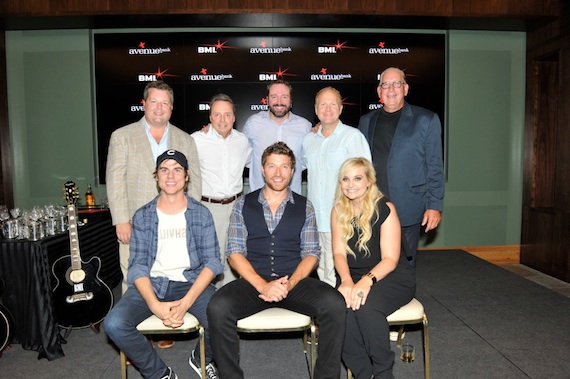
point(396, 84)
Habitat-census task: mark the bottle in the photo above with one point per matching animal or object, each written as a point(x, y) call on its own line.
point(89, 197)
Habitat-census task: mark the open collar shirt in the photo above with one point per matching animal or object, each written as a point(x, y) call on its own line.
point(222, 161)
point(323, 157)
point(262, 132)
point(237, 232)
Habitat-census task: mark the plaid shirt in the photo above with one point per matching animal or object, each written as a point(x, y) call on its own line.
point(237, 232)
point(201, 242)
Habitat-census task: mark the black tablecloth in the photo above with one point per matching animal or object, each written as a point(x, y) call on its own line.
point(25, 267)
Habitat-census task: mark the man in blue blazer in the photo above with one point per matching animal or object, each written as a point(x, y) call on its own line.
point(406, 147)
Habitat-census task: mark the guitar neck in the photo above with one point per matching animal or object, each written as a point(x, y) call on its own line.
point(73, 238)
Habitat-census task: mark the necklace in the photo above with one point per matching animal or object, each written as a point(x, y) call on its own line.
point(354, 223)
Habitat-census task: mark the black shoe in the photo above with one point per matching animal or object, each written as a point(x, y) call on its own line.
point(169, 374)
point(211, 371)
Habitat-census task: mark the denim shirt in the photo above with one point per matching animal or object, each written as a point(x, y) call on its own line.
point(201, 241)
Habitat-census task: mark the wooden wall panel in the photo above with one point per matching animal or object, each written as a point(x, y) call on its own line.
point(440, 8)
point(546, 175)
point(563, 140)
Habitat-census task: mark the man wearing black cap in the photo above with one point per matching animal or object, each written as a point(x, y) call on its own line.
point(173, 259)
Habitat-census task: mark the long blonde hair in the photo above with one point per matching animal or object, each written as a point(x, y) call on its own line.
point(344, 211)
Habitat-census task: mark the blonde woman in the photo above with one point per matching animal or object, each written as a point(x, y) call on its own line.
point(375, 279)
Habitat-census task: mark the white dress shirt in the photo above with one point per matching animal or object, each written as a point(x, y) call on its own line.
point(222, 161)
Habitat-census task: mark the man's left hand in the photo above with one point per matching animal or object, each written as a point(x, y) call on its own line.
point(431, 219)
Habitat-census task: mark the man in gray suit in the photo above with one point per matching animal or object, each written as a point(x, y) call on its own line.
point(131, 161)
point(405, 142)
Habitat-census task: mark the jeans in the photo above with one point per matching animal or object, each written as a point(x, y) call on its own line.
point(121, 326)
point(310, 296)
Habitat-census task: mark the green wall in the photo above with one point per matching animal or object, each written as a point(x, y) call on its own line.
point(52, 128)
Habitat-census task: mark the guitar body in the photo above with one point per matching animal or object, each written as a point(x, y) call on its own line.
point(81, 304)
point(6, 324)
point(80, 297)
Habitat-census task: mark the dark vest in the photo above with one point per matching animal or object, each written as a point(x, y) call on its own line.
point(279, 253)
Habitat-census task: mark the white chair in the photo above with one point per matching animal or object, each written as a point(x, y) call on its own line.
point(410, 314)
point(282, 320)
point(153, 325)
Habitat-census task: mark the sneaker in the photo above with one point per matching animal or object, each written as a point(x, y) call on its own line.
point(169, 374)
point(211, 371)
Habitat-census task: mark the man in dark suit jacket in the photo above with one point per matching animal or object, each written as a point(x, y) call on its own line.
point(405, 141)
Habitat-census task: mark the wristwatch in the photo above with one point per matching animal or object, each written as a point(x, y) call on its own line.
point(372, 277)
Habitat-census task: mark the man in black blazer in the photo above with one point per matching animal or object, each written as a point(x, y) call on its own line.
point(405, 141)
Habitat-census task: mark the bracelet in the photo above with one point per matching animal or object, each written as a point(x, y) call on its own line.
point(371, 276)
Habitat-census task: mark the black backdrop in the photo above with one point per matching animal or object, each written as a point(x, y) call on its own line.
point(199, 65)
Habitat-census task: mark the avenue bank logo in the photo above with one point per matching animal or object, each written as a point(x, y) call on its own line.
point(261, 106)
point(142, 49)
point(323, 75)
point(137, 108)
point(264, 49)
point(377, 105)
point(383, 50)
point(205, 76)
point(214, 48)
point(334, 48)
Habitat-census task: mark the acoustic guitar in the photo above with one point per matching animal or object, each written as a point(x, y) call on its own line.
point(6, 324)
point(81, 298)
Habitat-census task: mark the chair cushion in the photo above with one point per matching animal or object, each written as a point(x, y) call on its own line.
point(153, 323)
point(274, 318)
point(414, 310)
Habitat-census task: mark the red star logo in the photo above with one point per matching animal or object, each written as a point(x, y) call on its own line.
point(381, 44)
point(339, 46)
point(141, 44)
point(204, 71)
point(281, 73)
point(263, 44)
point(264, 101)
point(160, 73)
point(344, 102)
point(221, 45)
point(323, 71)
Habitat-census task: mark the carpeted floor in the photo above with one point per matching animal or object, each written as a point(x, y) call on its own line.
point(484, 323)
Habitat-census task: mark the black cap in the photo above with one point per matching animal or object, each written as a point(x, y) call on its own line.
point(172, 154)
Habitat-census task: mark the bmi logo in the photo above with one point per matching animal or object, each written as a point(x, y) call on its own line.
point(213, 48)
point(147, 78)
point(152, 76)
point(203, 107)
point(274, 75)
point(207, 50)
point(333, 48)
point(268, 77)
point(326, 50)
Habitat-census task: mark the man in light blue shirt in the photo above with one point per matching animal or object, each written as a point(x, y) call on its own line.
point(277, 124)
point(323, 154)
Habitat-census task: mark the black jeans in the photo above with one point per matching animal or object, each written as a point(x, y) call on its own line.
point(239, 299)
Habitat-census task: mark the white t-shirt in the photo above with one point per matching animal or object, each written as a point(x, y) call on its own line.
point(172, 256)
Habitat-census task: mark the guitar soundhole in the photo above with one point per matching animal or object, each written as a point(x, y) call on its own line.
point(77, 276)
